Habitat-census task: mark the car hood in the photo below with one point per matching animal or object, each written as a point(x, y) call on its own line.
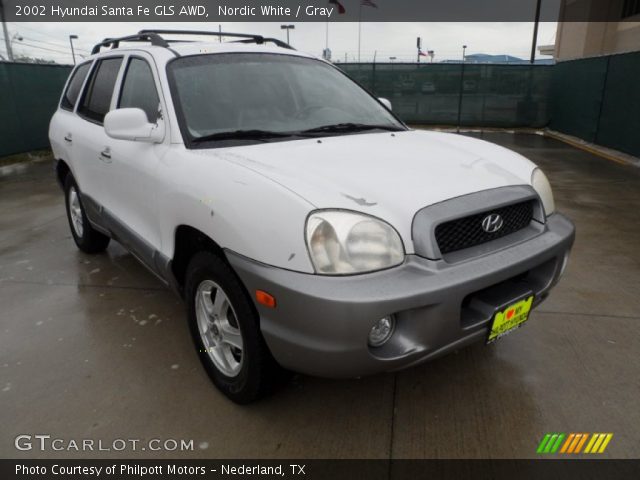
point(388, 175)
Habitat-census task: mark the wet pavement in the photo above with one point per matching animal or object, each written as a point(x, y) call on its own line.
point(93, 347)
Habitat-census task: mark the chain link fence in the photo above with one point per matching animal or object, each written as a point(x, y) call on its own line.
point(29, 94)
point(596, 99)
point(461, 94)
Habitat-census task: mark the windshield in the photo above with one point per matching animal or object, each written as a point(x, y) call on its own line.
point(268, 97)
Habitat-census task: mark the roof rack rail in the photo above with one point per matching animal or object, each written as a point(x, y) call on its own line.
point(245, 37)
point(275, 41)
point(152, 37)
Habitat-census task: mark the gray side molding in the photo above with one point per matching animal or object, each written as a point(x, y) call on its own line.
point(107, 223)
point(426, 220)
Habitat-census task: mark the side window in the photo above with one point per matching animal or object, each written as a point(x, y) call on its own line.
point(97, 95)
point(139, 89)
point(75, 84)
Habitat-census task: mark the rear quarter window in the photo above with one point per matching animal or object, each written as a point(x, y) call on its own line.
point(72, 92)
point(99, 90)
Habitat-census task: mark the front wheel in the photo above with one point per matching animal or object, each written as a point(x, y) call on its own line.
point(225, 329)
point(86, 237)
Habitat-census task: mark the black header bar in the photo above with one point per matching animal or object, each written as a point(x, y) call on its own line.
point(220, 11)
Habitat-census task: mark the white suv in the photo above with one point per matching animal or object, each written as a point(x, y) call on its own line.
point(306, 227)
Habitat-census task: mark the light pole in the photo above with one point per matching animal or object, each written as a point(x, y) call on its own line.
point(534, 42)
point(73, 53)
point(464, 58)
point(5, 33)
point(287, 28)
point(16, 36)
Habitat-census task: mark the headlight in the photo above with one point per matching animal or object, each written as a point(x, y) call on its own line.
point(541, 185)
point(342, 242)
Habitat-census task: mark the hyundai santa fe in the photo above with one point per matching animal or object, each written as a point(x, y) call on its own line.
point(307, 228)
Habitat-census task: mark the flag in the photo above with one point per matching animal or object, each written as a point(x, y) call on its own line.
point(421, 53)
point(368, 3)
point(341, 9)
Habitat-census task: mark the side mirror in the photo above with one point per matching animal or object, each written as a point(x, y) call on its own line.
point(386, 103)
point(132, 124)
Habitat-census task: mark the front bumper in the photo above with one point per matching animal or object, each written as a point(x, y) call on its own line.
point(321, 324)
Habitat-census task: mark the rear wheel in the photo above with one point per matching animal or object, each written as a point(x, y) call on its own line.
point(86, 237)
point(225, 329)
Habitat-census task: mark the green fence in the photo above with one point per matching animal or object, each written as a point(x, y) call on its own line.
point(28, 97)
point(473, 95)
point(598, 100)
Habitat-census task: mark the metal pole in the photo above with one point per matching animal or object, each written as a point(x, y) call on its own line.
point(535, 32)
point(287, 28)
point(373, 73)
point(464, 48)
point(327, 37)
point(7, 41)
point(220, 33)
point(73, 53)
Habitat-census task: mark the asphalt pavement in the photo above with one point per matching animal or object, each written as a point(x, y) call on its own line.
point(94, 347)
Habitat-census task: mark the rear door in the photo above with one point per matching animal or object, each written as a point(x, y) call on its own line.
point(90, 141)
point(64, 121)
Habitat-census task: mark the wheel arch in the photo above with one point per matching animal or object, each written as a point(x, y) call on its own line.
point(62, 170)
point(188, 241)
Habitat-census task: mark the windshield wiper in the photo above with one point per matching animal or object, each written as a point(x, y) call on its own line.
point(241, 135)
point(351, 127)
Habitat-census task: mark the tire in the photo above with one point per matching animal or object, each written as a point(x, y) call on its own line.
point(86, 237)
point(221, 318)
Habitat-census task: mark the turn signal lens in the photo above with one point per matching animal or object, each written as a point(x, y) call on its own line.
point(265, 299)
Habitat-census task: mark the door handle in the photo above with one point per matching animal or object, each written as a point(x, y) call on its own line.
point(106, 153)
point(67, 138)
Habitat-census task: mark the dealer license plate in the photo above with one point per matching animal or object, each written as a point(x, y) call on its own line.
point(508, 319)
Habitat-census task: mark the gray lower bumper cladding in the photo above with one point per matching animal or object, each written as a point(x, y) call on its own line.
point(321, 324)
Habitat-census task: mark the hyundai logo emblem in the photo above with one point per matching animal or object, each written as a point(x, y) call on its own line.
point(492, 223)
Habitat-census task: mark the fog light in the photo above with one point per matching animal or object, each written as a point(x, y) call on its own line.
point(382, 331)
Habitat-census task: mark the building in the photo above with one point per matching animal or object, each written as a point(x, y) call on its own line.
point(475, 58)
point(549, 50)
point(613, 26)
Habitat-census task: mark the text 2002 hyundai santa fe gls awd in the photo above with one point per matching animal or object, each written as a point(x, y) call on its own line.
point(306, 227)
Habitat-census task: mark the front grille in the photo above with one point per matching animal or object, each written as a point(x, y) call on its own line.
point(468, 232)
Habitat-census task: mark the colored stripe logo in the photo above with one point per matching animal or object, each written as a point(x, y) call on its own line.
point(574, 443)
